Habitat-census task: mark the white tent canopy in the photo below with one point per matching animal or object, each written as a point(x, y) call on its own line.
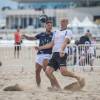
point(75, 23)
point(87, 23)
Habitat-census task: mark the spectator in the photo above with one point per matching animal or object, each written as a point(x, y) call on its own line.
point(18, 41)
point(85, 38)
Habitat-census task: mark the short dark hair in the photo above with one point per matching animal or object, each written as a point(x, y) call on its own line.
point(48, 21)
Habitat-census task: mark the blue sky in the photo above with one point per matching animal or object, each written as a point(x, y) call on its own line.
point(8, 3)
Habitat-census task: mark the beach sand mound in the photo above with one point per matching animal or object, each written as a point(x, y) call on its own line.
point(75, 86)
point(13, 88)
point(19, 87)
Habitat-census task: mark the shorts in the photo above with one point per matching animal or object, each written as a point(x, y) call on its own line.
point(41, 57)
point(17, 46)
point(56, 61)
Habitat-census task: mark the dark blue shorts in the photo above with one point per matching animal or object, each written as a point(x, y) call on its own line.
point(56, 61)
point(17, 46)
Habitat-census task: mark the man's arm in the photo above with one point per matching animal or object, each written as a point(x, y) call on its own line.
point(29, 37)
point(66, 41)
point(47, 46)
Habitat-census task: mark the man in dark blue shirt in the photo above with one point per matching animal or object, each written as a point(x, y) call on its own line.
point(44, 38)
point(43, 55)
point(85, 38)
point(84, 49)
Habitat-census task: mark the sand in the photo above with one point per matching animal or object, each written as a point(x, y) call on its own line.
point(22, 72)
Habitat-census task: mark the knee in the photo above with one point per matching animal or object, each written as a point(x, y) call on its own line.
point(62, 71)
point(45, 64)
point(48, 72)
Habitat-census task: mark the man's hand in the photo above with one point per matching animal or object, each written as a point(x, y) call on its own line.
point(36, 48)
point(62, 53)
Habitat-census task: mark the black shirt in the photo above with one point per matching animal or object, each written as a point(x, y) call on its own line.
point(84, 39)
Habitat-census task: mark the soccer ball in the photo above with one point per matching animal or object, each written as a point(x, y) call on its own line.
point(43, 18)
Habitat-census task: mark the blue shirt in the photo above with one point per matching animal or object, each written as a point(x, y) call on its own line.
point(44, 38)
point(84, 39)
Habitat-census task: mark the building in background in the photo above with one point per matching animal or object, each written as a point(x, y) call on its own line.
point(45, 4)
point(28, 12)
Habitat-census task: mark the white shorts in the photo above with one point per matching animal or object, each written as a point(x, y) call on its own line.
point(41, 57)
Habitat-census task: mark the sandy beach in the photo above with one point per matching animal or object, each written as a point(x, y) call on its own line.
point(22, 72)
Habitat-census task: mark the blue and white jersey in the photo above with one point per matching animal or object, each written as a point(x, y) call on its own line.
point(44, 38)
point(59, 37)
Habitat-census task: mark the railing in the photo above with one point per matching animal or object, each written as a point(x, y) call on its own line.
point(9, 33)
point(79, 57)
point(84, 56)
point(9, 59)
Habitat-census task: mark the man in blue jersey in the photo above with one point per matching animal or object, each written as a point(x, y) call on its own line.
point(43, 55)
point(61, 38)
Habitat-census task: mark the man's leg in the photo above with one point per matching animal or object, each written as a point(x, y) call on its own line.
point(45, 64)
point(37, 71)
point(49, 72)
point(18, 51)
point(65, 72)
point(15, 49)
